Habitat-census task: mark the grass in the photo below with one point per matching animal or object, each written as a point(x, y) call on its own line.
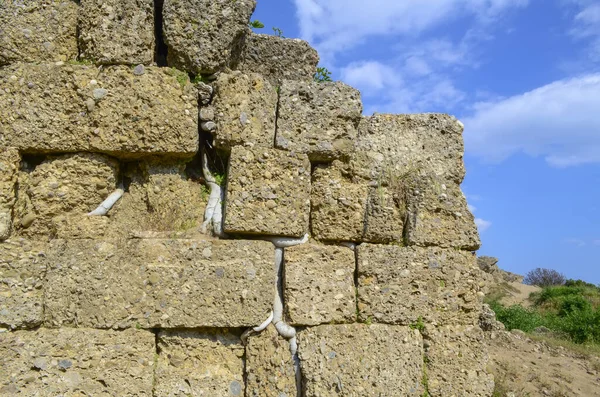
point(181, 77)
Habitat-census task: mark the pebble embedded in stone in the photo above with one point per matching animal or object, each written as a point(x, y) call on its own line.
point(139, 70)
point(99, 93)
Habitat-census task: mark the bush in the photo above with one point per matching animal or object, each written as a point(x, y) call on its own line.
point(544, 278)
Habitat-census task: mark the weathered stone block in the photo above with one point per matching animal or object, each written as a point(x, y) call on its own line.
point(361, 360)
point(267, 192)
point(269, 365)
point(22, 270)
point(245, 107)
point(456, 362)
point(117, 31)
point(203, 36)
point(77, 226)
point(319, 284)
point(159, 283)
point(38, 31)
point(338, 204)
point(9, 168)
point(73, 362)
point(69, 184)
point(399, 285)
point(278, 58)
point(385, 215)
point(69, 108)
point(319, 119)
point(438, 214)
point(398, 146)
point(199, 363)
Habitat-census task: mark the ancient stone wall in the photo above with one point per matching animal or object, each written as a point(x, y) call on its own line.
point(185, 211)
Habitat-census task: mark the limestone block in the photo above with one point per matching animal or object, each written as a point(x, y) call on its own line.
point(438, 214)
point(245, 107)
point(69, 184)
point(117, 31)
point(269, 365)
point(75, 362)
point(319, 119)
point(78, 226)
point(38, 31)
point(399, 285)
point(203, 36)
point(338, 204)
point(69, 108)
point(279, 58)
point(456, 362)
point(361, 360)
point(199, 363)
point(22, 270)
point(267, 192)
point(159, 283)
point(385, 215)
point(319, 284)
point(401, 145)
point(9, 167)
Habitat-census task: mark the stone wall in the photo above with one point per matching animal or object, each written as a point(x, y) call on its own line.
point(185, 211)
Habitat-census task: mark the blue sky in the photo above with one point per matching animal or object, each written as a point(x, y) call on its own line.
point(523, 76)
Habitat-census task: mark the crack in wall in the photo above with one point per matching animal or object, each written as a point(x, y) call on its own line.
point(161, 49)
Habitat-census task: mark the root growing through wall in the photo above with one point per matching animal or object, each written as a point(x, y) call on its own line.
point(214, 209)
point(110, 201)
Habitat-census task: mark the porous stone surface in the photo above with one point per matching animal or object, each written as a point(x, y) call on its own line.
point(319, 284)
point(117, 31)
point(76, 362)
point(269, 365)
point(278, 58)
point(22, 270)
point(319, 119)
point(204, 36)
point(457, 362)
point(38, 31)
point(9, 167)
point(245, 106)
point(338, 203)
point(361, 360)
point(267, 192)
point(158, 283)
point(400, 285)
point(79, 226)
point(438, 215)
point(69, 184)
point(68, 108)
point(385, 215)
point(404, 145)
point(205, 362)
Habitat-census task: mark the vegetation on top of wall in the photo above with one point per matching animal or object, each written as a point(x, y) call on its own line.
point(256, 24)
point(323, 74)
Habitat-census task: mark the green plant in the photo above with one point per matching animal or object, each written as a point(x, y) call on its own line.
point(181, 77)
point(256, 24)
point(278, 32)
point(419, 324)
point(322, 75)
point(220, 179)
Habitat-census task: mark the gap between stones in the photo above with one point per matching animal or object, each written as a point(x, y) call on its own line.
point(161, 49)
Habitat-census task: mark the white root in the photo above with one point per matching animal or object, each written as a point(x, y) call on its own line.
point(350, 245)
point(296, 359)
point(264, 325)
point(107, 204)
point(214, 209)
point(286, 242)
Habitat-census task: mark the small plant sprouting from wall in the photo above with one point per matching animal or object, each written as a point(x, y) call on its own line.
point(256, 24)
point(323, 75)
point(278, 32)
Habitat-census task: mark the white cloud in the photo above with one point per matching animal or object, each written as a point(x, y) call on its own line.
point(558, 121)
point(482, 224)
point(586, 26)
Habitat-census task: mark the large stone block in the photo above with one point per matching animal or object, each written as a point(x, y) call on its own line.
point(38, 31)
point(245, 107)
point(69, 184)
point(400, 285)
point(204, 36)
point(457, 361)
point(199, 363)
point(438, 215)
point(267, 192)
point(9, 168)
point(158, 283)
point(338, 204)
point(69, 108)
point(319, 119)
point(22, 270)
point(361, 360)
point(269, 366)
point(117, 31)
point(385, 215)
point(278, 58)
point(319, 284)
point(77, 362)
point(397, 146)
